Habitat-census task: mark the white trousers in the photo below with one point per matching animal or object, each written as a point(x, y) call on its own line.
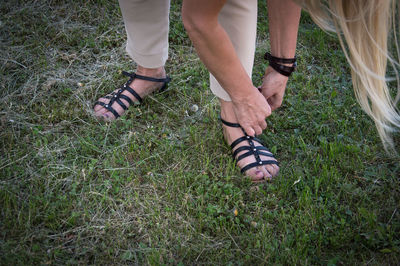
point(147, 25)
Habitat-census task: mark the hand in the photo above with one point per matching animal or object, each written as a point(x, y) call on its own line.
point(273, 87)
point(251, 111)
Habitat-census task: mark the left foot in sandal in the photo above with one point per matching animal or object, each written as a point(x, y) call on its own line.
point(254, 160)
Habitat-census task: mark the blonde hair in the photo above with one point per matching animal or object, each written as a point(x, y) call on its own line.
point(365, 26)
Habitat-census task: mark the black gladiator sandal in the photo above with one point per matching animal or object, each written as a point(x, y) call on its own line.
point(251, 149)
point(275, 63)
point(116, 96)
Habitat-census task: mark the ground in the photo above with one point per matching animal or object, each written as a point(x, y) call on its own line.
point(159, 186)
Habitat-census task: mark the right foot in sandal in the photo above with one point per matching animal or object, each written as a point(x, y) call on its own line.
point(143, 83)
point(254, 160)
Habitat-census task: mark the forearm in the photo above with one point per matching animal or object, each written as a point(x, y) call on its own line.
point(214, 46)
point(284, 18)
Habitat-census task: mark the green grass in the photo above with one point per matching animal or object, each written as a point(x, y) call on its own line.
point(159, 186)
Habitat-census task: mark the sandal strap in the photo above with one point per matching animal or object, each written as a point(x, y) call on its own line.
point(117, 96)
point(133, 92)
point(126, 98)
point(251, 165)
point(118, 100)
point(246, 148)
point(251, 149)
point(240, 149)
point(108, 107)
point(249, 153)
point(266, 154)
point(229, 124)
point(164, 86)
point(133, 75)
point(258, 149)
point(241, 139)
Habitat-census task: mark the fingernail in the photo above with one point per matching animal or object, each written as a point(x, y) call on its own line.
point(105, 115)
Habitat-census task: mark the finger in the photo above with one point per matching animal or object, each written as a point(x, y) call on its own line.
point(263, 124)
point(267, 110)
point(258, 130)
point(249, 131)
point(275, 102)
point(267, 93)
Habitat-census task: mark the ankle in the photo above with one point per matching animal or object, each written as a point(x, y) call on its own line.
point(151, 72)
point(227, 112)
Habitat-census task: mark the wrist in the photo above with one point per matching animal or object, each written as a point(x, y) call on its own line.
point(243, 94)
point(270, 70)
point(284, 66)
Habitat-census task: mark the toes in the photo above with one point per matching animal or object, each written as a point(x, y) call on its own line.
point(272, 169)
point(103, 113)
point(255, 174)
point(259, 175)
point(100, 109)
point(97, 107)
point(108, 117)
point(266, 174)
point(263, 173)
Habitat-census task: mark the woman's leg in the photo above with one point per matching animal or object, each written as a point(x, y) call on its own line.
point(146, 25)
point(239, 19)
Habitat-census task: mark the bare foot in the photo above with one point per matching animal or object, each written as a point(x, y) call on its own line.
point(142, 87)
point(259, 173)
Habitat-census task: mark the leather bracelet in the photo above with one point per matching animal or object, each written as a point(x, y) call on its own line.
point(275, 63)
